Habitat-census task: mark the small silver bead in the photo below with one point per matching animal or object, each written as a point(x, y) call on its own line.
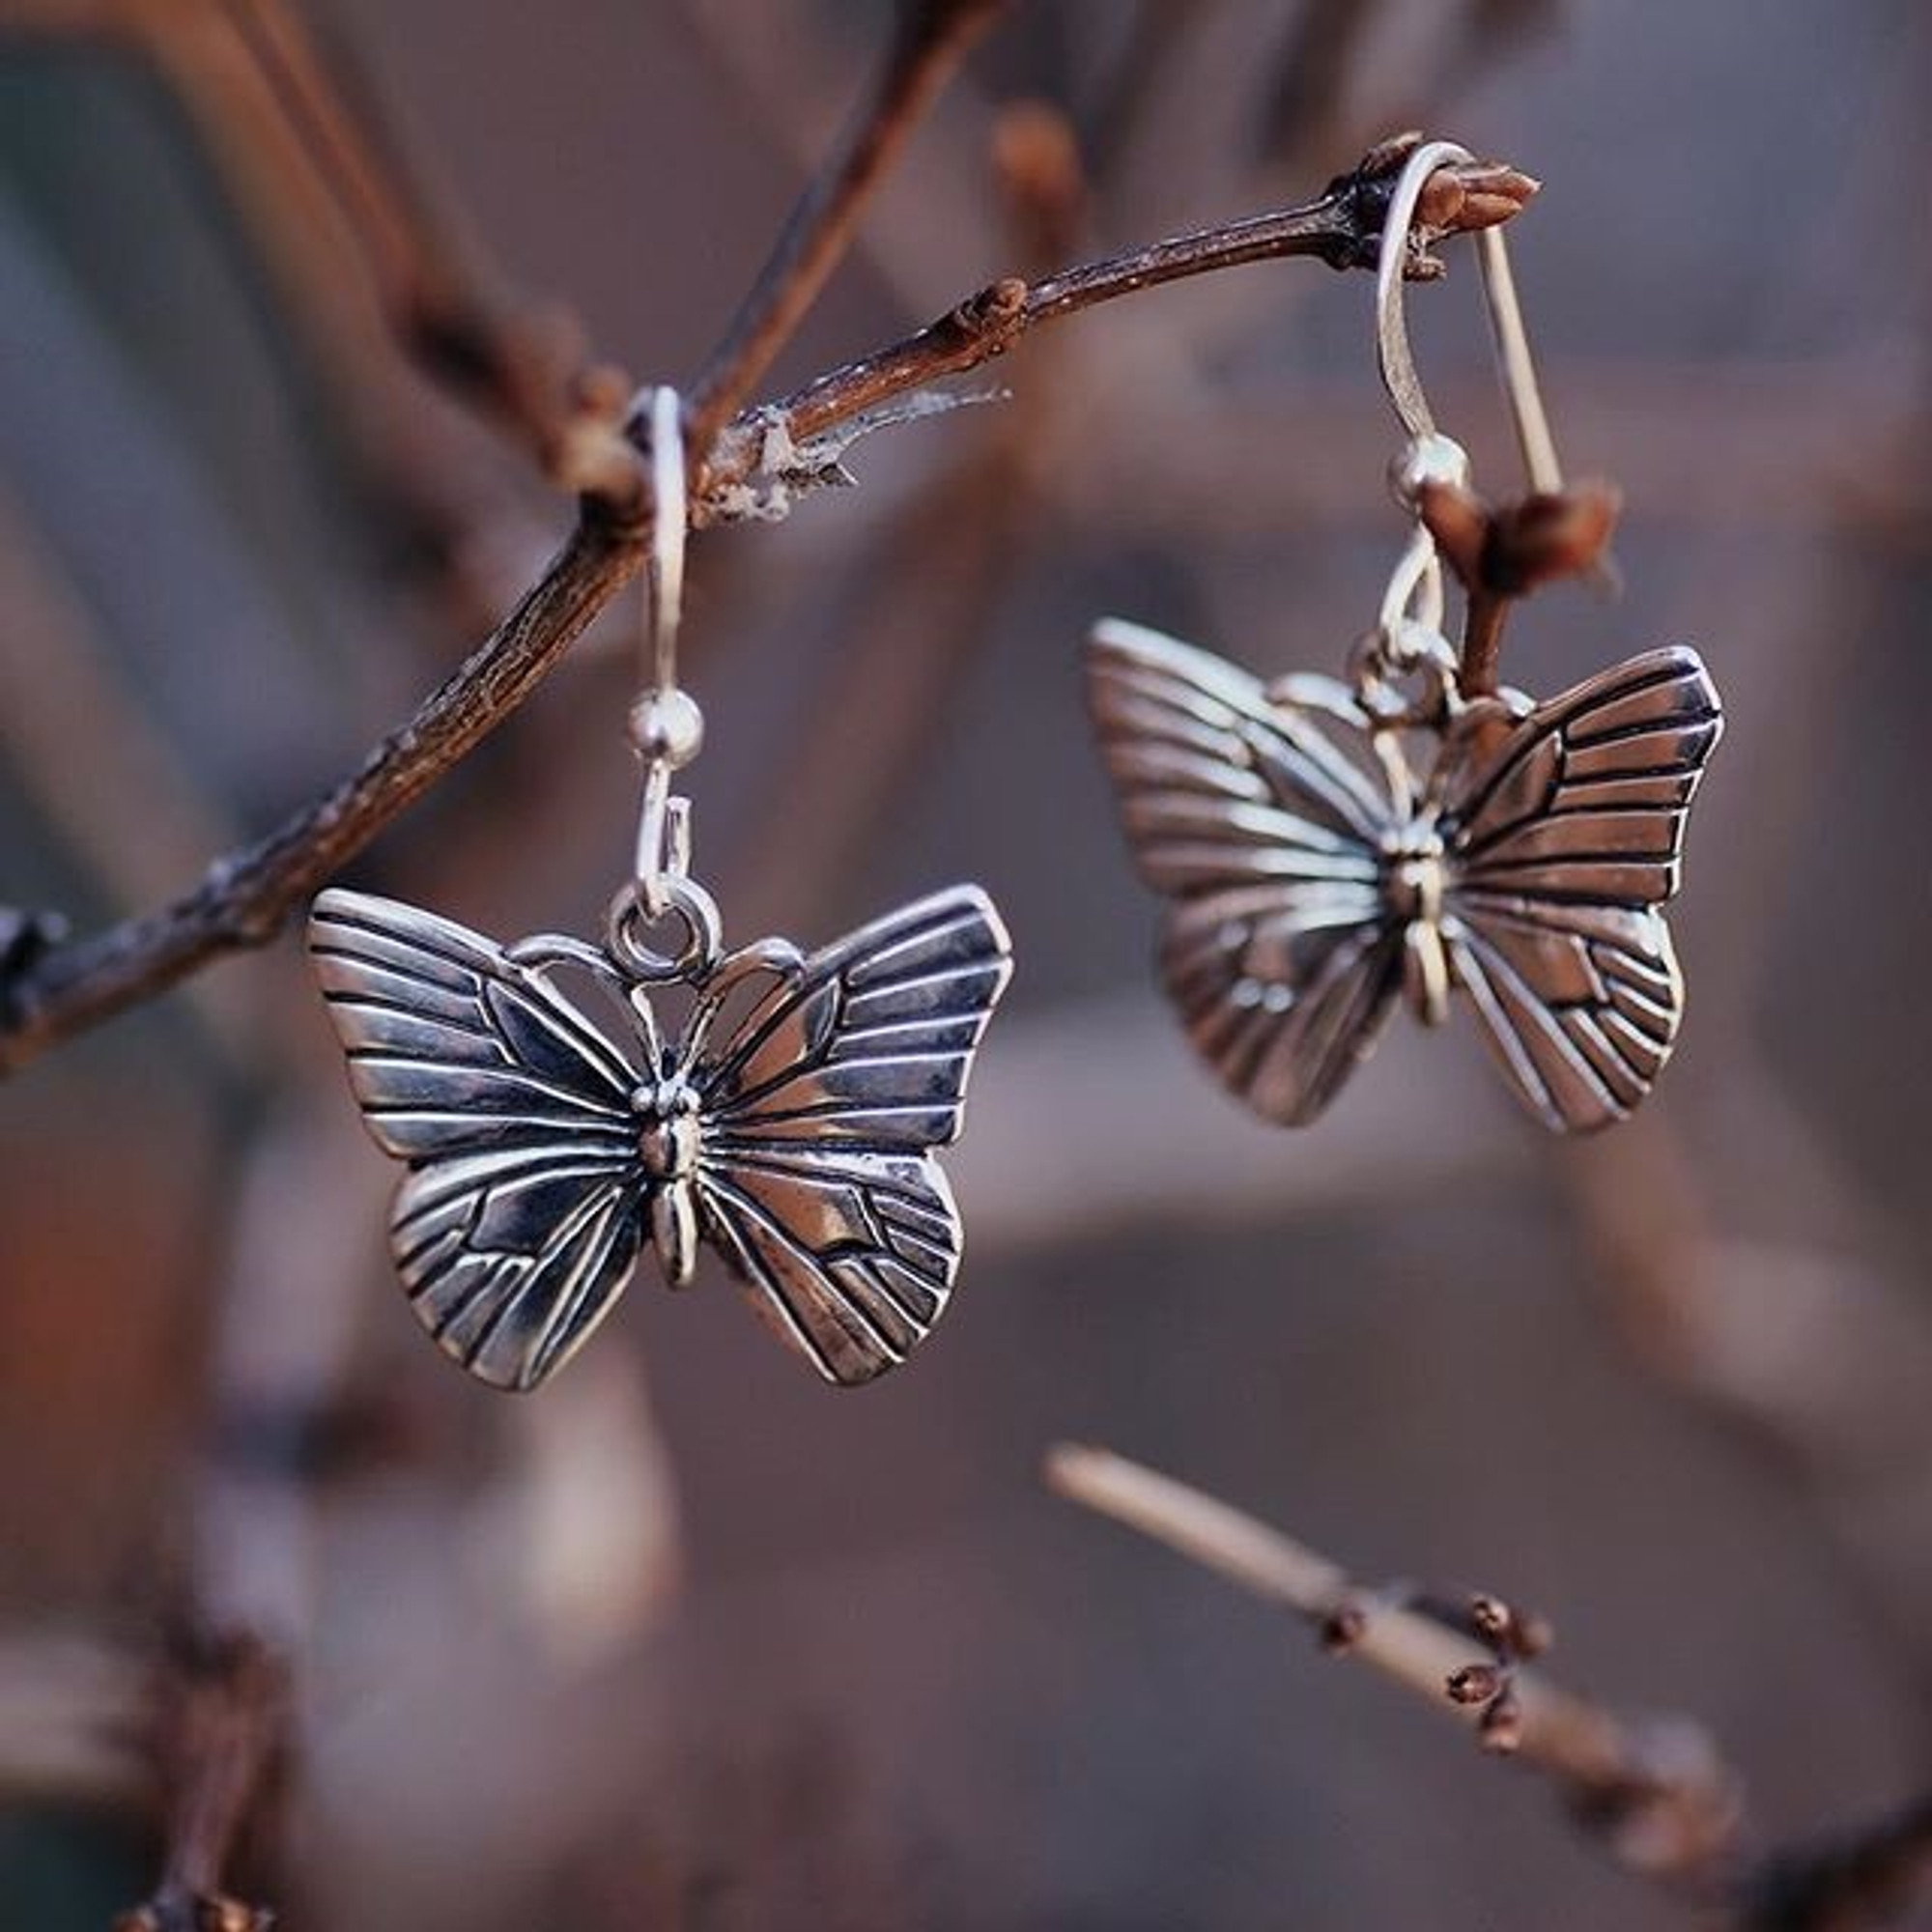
point(1426, 459)
point(667, 728)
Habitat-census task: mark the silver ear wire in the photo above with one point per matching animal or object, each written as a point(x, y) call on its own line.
point(1512, 342)
point(671, 520)
point(667, 727)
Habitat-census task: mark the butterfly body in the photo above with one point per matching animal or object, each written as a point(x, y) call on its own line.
point(1312, 881)
point(669, 1135)
point(789, 1124)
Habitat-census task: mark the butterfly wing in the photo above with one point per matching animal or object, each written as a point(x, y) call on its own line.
point(1264, 837)
point(521, 1216)
point(814, 1177)
point(1566, 830)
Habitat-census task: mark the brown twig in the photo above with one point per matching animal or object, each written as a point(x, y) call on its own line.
point(1858, 1879)
point(1500, 553)
point(323, 178)
point(520, 369)
point(221, 1740)
point(932, 37)
point(1654, 1792)
point(1341, 227)
point(935, 571)
point(246, 896)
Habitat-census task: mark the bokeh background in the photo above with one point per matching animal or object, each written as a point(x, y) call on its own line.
point(693, 1641)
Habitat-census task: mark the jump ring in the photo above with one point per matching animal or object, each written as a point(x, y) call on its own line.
point(628, 920)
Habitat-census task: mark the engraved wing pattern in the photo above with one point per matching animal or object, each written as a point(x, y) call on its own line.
point(529, 1200)
point(814, 1177)
point(520, 1219)
point(1265, 840)
point(1567, 831)
point(1264, 825)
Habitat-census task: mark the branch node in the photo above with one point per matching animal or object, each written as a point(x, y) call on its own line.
point(25, 936)
point(1474, 1683)
point(1455, 199)
point(989, 316)
point(1501, 1726)
point(1341, 1629)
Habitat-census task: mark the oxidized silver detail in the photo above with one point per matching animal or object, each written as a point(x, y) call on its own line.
point(788, 1121)
point(1312, 879)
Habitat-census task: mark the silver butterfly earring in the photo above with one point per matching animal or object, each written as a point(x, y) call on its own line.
point(788, 1120)
point(1314, 874)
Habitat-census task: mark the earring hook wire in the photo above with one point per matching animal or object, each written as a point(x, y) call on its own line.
point(667, 726)
point(669, 524)
point(1514, 363)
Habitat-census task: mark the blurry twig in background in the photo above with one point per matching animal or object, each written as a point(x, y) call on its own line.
point(71, 1717)
point(1863, 1878)
point(58, 688)
point(1654, 1792)
point(932, 37)
point(937, 570)
point(246, 896)
point(324, 180)
point(222, 1717)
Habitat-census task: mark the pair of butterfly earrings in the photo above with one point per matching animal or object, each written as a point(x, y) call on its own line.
point(784, 1106)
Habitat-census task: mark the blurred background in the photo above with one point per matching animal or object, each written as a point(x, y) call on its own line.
point(693, 1641)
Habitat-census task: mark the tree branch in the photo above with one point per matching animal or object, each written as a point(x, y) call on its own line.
point(522, 369)
point(245, 897)
point(1655, 1793)
point(221, 1740)
point(932, 38)
point(1859, 1878)
point(322, 179)
point(59, 989)
point(1341, 227)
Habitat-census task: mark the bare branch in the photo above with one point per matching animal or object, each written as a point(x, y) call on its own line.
point(246, 896)
point(933, 37)
point(1859, 1878)
point(1341, 227)
point(1654, 1792)
point(520, 369)
point(324, 179)
point(220, 1743)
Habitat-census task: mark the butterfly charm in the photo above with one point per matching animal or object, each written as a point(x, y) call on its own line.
point(788, 1121)
point(1312, 880)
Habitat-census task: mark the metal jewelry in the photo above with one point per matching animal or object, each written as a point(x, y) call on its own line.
point(787, 1118)
point(1313, 874)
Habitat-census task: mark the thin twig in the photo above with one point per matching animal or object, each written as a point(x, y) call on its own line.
point(933, 37)
point(1341, 227)
point(246, 896)
point(1861, 1878)
point(226, 1707)
point(325, 179)
point(1655, 1793)
point(518, 370)
point(936, 570)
